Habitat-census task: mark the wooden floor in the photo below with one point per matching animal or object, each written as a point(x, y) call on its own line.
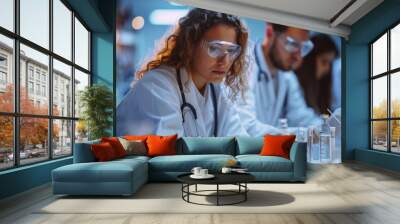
point(377, 188)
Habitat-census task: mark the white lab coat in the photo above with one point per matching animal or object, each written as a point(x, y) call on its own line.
point(152, 106)
point(264, 103)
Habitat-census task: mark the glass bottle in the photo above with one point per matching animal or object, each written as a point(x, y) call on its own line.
point(314, 145)
point(325, 141)
point(283, 124)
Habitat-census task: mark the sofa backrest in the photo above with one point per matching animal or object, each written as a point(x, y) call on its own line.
point(249, 145)
point(206, 145)
point(191, 146)
point(83, 153)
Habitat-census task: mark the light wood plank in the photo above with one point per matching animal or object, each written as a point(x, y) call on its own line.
point(377, 191)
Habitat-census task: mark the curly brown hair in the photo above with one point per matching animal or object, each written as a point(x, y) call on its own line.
point(178, 48)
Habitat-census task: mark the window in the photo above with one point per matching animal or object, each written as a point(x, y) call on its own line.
point(81, 45)
point(81, 81)
point(62, 30)
point(30, 72)
point(3, 78)
point(37, 75)
point(7, 14)
point(38, 89)
point(43, 77)
point(44, 91)
point(35, 22)
point(3, 72)
point(54, 125)
point(63, 75)
point(30, 87)
point(3, 61)
point(385, 95)
point(7, 72)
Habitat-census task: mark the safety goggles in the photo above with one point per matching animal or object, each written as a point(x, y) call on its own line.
point(219, 48)
point(291, 45)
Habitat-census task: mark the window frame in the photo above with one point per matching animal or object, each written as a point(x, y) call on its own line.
point(16, 115)
point(388, 74)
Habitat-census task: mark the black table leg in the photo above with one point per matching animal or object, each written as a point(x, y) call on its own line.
point(217, 194)
point(196, 188)
point(182, 189)
point(245, 193)
point(188, 189)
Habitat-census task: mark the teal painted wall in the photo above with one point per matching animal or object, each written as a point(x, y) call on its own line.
point(103, 62)
point(99, 15)
point(24, 178)
point(357, 101)
point(380, 159)
point(103, 52)
point(102, 58)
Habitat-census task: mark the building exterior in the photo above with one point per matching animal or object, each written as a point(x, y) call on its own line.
point(34, 79)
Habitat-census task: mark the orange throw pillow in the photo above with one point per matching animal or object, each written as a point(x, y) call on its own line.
point(161, 145)
point(103, 152)
point(277, 145)
point(116, 145)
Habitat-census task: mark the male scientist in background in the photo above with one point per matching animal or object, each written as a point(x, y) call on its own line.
point(274, 91)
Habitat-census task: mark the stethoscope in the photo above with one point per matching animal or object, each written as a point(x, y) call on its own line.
point(264, 73)
point(260, 71)
point(185, 104)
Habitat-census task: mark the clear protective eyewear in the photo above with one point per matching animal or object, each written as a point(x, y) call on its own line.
point(219, 48)
point(292, 46)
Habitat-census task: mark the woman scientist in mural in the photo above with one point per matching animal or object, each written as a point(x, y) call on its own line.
point(179, 90)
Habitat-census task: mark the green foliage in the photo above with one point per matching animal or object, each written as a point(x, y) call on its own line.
point(380, 127)
point(96, 102)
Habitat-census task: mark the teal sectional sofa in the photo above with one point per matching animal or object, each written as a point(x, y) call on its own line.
point(125, 176)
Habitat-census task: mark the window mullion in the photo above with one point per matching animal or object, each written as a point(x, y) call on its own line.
point(50, 81)
point(371, 142)
point(16, 84)
point(389, 113)
point(73, 82)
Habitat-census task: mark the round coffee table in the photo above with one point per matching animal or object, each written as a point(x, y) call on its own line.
point(238, 179)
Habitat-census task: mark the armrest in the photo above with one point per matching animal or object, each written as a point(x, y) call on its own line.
point(298, 155)
point(83, 152)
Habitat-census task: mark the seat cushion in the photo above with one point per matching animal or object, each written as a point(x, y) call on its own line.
point(257, 163)
point(111, 171)
point(185, 163)
point(132, 160)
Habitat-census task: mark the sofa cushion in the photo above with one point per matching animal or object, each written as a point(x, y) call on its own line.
point(103, 152)
point(132, 158)
point(249, 145)
point(257, 163)
point(134, 147)
point(161, 145)
point(116, 145)
point(83, 152)
point(111, 171)
point(185, 163)
point(206, 145)
point(277, 145)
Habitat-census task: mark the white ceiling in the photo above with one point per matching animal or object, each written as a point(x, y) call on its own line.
point(316, 15)
point(321, 9)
